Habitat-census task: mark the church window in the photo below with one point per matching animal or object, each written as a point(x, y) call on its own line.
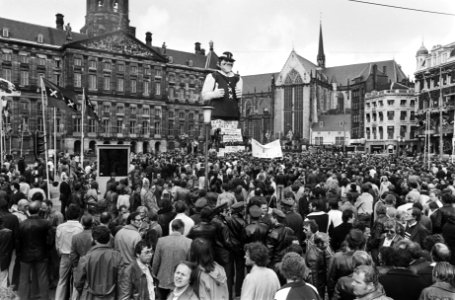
point(100, 3)
point(40, 38)
point(115, 6)
point(5, 32)
point(293, 78)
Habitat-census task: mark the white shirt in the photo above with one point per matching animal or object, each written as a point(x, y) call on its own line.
point(187, 221)
point(64, 235)
point(335, 217)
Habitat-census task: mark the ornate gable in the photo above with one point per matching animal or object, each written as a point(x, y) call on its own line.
point(118, 42)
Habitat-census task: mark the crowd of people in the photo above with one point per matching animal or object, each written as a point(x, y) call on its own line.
point(310, 225)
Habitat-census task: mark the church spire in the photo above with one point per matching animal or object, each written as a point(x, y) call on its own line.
point(321, 55)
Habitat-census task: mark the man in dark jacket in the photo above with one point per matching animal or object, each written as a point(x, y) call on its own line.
point(101, 259)
point(293, 220)
point(340, 232)
point(65, 193)
point(257, 230)
point(236, 224)
point(442, 214)
point(279, 237)
point(137, 280)
point(34, 241)
point(6, 249)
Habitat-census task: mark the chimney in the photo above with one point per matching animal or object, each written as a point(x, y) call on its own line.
point(197, 48)
point(59, 21)
point(148, 39)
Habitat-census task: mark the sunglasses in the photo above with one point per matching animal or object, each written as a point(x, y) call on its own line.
point(139, 219)
point(227, 64)
point(390, 231)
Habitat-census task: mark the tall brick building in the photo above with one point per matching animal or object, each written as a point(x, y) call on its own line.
point(146, 95)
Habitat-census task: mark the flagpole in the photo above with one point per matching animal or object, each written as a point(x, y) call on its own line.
point(2, 95)
point(55, 143)
point(82, 128)
point(22, 135)
point(44, 103)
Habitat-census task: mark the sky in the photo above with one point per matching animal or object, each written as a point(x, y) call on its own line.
point(262, 33)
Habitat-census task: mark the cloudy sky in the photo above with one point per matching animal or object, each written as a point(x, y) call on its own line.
point(262, 33)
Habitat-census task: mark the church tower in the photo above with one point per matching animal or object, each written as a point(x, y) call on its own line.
point(321, 55)
point(105, 16)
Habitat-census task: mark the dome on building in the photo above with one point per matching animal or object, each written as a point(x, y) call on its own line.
point(422, 51)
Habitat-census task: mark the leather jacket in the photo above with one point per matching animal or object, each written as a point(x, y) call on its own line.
point(256, 232)
point(236, 226)
point(278, 239)
point(223, 244)
point(34, 240)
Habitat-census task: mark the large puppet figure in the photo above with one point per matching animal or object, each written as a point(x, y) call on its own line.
point(223, 90)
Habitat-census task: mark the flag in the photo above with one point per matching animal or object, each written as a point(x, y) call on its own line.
point(58, 97)
point(90, 108)
point(7, 88)
point(270, 150)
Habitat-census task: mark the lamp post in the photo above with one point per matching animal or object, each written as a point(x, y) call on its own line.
point(400, 140)
point(207, 110)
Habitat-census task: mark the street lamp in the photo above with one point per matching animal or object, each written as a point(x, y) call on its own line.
point(207, 110)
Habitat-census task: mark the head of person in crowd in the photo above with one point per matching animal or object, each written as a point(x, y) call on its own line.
point(403, 254)
point(15, 187)
point(184, 275)
point(296, 248)
point(34, 208)
point(385, 256)
point(347, 216)
point(37, 197)
point(206, 214)
point(105, 218)
point(46, 208)
point(101, 235)
point(238, 209)
point(143, 252)
point(72, 212)
point(135, 219)
point(440, 252)
point(255, 212)
point(364, 280)
point(310, 227)
point(277, 216)
point(23, 205)
point(87, 221)
point(287, 204)
point(316, 205)
point(355, 239)
point(177, 225)
point(201, 253)
point(361, 257)
point(256, 253)
point(293, 267)
point(444, 272)
point(180, 207)
point(431, 240)
point(143, 211)
point(435, 195)
point(321, 240)
point(390, 229)
point(447, 197)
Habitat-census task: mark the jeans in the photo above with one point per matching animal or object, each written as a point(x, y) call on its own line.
point(33, 273)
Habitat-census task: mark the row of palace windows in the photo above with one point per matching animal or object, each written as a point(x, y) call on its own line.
point(378, 132)
point(390, 102)
point(390, 116)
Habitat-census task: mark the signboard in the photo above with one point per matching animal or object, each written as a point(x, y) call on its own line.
point(112, 160)
point(232, 149)
point(232, 138)
point(224, 124)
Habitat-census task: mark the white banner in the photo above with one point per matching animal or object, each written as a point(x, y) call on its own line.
point(270, 150)
point(231, 131)
point(232, 138)
point(218, 123)
point(232, 149)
